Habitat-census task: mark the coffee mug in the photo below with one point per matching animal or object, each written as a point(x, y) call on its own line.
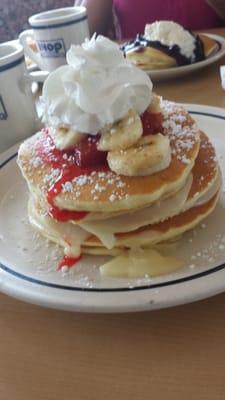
point(54, 31)
point(18, 118)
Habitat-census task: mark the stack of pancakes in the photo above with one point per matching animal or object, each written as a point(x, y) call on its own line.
point(102, 212)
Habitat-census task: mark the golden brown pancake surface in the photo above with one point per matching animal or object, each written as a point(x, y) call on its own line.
point(104, 190)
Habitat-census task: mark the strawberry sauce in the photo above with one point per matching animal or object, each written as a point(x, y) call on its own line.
point(152, 123)
point(82, 159)
point(66, 215)
point(68, 262)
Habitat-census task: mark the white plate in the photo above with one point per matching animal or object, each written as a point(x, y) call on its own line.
point(28, 263)
point(169, 73)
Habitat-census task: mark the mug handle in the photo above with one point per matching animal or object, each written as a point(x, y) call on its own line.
point(38, 76)
point(34, 56)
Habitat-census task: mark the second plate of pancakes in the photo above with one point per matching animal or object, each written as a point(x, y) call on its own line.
point(179, 71)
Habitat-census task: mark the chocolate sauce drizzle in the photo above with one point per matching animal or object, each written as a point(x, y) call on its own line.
point(140, 43)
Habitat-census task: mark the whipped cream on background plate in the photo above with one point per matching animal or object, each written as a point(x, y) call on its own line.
point(170, 33)
point(97, 87)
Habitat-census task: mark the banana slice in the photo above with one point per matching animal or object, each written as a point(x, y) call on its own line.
point(151, 154)
point(122, 134)
point(154, 106)
point(65, 138)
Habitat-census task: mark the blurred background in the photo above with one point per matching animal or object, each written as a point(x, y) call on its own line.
point(14, 14)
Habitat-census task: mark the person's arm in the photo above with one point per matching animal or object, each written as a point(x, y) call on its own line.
point(99, 14)
point(218, 6)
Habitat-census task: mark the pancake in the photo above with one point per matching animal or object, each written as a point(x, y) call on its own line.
point(149, 57)
point(203, 177)
point(71, 237)
point(145, 210)
point(162, 220)
point(210, 45)
point(102, 190)
point(204, 181)
point(205, 171)
point(163, 231)
point(144, 227)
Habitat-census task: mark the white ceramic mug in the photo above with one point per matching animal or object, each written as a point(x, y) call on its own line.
point(18, 117)
point(54, 31)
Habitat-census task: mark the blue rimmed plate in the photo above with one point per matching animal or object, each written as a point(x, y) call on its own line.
point(28, 262)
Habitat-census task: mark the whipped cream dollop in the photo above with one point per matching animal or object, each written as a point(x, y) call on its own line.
point(97, 87)
point(170, 33)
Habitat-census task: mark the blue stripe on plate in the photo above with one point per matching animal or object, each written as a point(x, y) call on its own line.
point(11, 65)
point(207, 114)
point(121, 289)
point(8, 160)
point(60, 25)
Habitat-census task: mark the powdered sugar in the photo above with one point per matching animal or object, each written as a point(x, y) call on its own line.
point(67, 187)
point(51, 178)
point(36, 162)
point(181, 130)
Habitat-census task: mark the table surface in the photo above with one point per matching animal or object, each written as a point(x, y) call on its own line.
point(176, 353)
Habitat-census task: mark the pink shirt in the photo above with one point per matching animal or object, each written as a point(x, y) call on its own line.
point(192, 14)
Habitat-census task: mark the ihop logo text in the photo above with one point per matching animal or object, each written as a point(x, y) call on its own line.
point(52, 48)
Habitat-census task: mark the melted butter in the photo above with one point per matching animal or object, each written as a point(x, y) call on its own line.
point(140, 263)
